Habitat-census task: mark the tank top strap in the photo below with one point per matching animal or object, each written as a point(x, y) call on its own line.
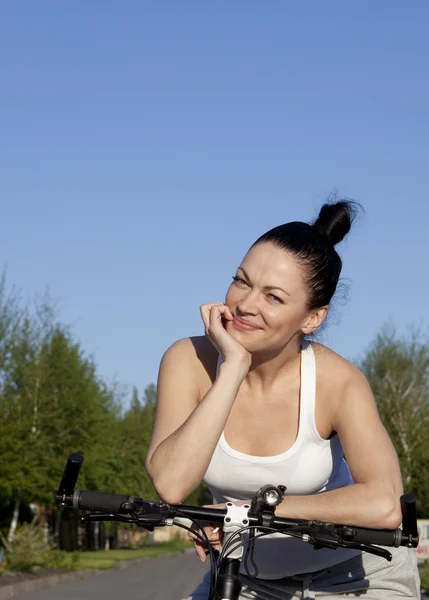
point(308, 388)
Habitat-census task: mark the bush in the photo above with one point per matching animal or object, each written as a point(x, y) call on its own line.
point(31, 552)
point(29, 549)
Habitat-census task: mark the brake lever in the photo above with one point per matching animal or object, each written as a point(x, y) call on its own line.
point(320, 535)
point(325, 537)
point(144, 521)
point(368, 548)
point(107, 517)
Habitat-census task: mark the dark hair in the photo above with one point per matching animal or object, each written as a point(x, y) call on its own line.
point(313, 244)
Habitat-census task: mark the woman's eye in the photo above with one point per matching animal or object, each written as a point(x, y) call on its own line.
point(239, 280)
point(275, 298)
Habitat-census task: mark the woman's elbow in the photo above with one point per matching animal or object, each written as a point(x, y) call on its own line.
point(168, 493)
point(390, 513)
point(166, 489)
point(171, 498)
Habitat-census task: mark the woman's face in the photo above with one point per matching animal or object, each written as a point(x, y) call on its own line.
point(268, 299)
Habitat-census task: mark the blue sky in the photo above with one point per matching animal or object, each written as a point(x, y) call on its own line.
point(145, 146)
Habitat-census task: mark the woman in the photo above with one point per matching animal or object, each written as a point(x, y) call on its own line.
point(252, 402)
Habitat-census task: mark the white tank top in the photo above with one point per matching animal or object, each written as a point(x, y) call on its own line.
point(310, 466)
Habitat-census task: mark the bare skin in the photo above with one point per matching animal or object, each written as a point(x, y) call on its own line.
point(258, 333)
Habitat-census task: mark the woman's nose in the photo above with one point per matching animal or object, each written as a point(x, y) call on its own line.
point(249, 304)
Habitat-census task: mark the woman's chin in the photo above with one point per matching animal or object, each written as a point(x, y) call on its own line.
point(240, 337)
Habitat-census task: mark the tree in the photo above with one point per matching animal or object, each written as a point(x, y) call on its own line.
point(398, 371)
point(136, 429)
point(10, 320)
point(52, 404)
point(22, 479)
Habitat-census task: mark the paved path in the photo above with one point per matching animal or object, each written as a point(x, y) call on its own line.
point(170, 577)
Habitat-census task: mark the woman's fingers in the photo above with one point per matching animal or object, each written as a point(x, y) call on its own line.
point(214, 535)
point(213, 314)
point(212, 311)
point(217, 313)
point(214, 317)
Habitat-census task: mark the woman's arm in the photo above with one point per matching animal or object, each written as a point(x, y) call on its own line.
point(186, 431)
point(373, 500)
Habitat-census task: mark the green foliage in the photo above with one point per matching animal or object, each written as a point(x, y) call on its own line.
point(32, 552)
point(424, 577)
point(60, 559)
point(135, 430)
point(29, 549)
point(398, 372)
point(108, 559)
point(52, 402)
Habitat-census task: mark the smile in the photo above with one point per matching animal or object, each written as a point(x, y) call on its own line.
point(244, 325)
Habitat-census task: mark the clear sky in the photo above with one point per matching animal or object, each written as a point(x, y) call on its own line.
point(145, 146)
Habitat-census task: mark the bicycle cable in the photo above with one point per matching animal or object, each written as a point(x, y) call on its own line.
point(205, 539)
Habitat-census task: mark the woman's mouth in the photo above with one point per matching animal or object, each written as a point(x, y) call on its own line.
point(244, 325)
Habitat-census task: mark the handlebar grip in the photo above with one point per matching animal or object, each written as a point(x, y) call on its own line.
point(100, 501)
point(379, 537)
point(70, 474)
point(409, 515)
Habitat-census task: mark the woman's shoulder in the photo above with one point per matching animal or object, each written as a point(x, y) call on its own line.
point(194, 354)
point(194, 347)
point(334, 368)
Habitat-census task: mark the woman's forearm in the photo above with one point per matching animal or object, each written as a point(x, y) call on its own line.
point(179, 463)
point(360, 504)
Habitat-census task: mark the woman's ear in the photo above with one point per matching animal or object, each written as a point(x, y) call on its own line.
point(314, 320)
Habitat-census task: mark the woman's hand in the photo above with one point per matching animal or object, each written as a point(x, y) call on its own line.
point(214, 533)
point(214, 316)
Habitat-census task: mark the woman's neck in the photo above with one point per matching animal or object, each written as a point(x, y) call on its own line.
point(267, 369)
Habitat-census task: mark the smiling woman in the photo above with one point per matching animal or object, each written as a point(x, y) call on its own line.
point(254, 402)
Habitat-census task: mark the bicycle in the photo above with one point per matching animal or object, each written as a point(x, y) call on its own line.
point(242, 525)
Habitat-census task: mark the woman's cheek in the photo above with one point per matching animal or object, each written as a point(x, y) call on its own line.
point(229, 297)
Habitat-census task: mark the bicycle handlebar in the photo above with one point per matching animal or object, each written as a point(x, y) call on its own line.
point(150, 514)
point(259, 519)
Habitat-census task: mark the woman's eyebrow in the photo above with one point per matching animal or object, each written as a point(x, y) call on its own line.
point(244, 272)
point(275, 287)
point(266, 287)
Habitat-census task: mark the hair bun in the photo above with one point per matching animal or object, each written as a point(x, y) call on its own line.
point(335, 220)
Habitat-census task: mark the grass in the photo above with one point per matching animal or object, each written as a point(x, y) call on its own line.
point(424, 576)
point(103, 559)
point(100, 559)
